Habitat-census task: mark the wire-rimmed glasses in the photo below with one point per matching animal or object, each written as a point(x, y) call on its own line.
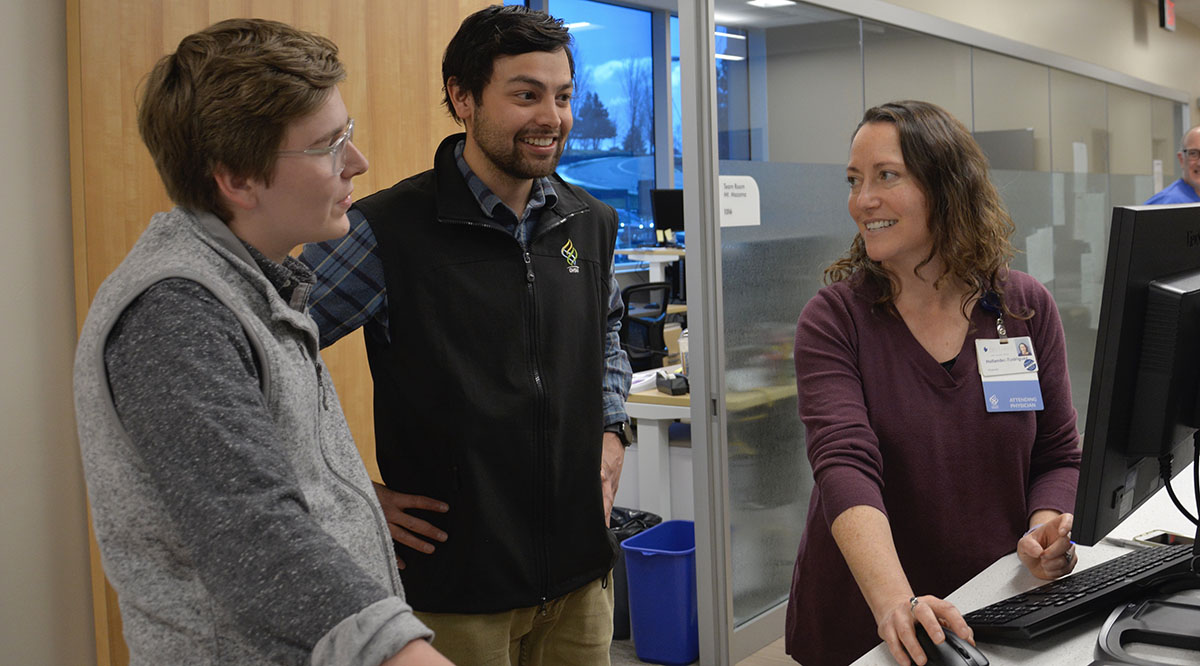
point(337, 149)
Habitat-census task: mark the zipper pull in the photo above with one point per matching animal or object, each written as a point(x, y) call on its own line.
point(542, 608)
point(321, 388)
point(528, 267)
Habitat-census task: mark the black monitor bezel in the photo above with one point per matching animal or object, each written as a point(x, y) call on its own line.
point(1146, 243)
point(666, 205)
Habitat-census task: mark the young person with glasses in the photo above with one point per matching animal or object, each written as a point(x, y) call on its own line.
point(234, 516)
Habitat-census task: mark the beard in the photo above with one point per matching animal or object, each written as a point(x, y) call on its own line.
point(502, 150)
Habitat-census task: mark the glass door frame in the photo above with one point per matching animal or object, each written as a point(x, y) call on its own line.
point(723, 643)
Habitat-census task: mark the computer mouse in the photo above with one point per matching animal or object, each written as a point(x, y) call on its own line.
point(953, 651)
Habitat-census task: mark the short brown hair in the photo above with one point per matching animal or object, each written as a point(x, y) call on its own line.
point(967, 219)
point(225, 97)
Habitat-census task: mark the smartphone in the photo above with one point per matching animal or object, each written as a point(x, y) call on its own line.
point(1162, 538)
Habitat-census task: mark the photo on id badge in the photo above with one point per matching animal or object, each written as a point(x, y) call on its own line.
point(1008, 369)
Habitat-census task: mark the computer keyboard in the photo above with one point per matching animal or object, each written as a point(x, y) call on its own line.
point(1061, 602)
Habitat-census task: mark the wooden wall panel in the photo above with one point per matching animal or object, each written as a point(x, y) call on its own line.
point(392, 51)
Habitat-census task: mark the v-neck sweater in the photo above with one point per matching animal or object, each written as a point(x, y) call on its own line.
point(889, 427)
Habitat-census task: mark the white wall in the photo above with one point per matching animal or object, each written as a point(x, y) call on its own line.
point(45, 590)
point(1120, 35)
point(815, 73)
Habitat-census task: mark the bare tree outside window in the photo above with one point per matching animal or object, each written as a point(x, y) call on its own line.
point(637, 81)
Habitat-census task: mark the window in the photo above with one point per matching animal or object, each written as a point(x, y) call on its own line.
point(733, 96)
point(610, 152)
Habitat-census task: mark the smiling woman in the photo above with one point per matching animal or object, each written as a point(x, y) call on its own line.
point(886, 201)
point(901, 444)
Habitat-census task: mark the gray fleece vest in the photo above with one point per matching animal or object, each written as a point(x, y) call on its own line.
point(168, 615)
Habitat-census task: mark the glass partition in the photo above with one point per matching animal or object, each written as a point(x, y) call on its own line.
point(814, 89)
point(1131, 146)
point(1166, 136)
point(735, 131)
point(902, 64)
point(1079, 124)
point(1130, 123)
point(1011, 107)
point(769, 271)
point(1080, 212)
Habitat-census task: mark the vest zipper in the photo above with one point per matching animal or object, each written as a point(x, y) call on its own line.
point(541, 452)
point(372, 502)
point(539, 232)
point(546, 229)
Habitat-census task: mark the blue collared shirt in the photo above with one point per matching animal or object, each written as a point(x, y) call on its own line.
point(540, 196)
point(351, 291)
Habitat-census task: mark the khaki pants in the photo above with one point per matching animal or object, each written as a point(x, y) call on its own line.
point(575, 629)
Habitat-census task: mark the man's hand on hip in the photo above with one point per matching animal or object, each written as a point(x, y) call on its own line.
point(405, 528)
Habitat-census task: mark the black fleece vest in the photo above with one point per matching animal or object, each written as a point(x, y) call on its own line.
point(488, 396)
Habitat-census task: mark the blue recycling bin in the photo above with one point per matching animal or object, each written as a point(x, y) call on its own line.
point(661, 565)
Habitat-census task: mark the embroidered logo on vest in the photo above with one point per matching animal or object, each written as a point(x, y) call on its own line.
point(571, 255)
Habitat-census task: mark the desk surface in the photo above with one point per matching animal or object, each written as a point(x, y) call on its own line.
point(653, 412)
point(734, 400)
point(1006, 577)
point(673, 252)
point(653, 396)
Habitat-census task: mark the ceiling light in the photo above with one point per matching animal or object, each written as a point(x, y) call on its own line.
point(725, 18)
point(576, 26)
point(726, 56)
point(729, 35)
point(770, 3)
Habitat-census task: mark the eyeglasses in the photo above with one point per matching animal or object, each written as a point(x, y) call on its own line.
point(336, 150)
point(1193, 154)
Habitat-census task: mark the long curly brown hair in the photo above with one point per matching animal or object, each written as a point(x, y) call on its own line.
point(968, 222)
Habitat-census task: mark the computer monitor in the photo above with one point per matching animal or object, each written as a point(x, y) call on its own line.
point(667, 208)
point(1143, 402)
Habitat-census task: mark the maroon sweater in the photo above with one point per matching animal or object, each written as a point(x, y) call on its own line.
point(889, 427)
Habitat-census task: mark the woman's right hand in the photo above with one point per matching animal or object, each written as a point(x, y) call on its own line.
point(896, 627)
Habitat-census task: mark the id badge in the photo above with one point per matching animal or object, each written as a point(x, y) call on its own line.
point(1009, 371)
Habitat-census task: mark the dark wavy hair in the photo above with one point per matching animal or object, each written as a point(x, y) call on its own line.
point(968, 222)
point(497, 31)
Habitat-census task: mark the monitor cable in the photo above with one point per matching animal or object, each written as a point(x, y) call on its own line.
point(1164, 470)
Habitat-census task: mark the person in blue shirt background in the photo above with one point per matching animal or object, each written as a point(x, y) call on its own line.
point(1186, 189)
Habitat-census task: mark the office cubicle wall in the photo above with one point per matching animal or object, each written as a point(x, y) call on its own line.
point(768, 274)
point(392, 52)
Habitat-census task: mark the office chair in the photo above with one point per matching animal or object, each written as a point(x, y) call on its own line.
point(642, 326)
